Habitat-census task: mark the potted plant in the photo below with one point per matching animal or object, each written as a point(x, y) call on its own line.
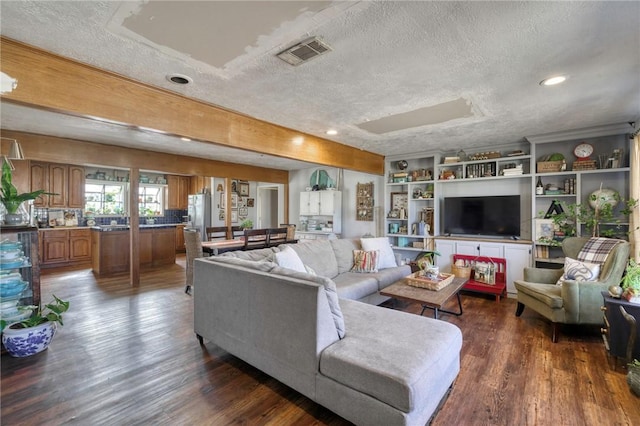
point(10, 198)
point(247, 224)
point(631, 282)
point(593, 218)
point(33, 335)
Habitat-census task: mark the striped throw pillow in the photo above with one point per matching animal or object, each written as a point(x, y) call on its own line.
point(365, 261)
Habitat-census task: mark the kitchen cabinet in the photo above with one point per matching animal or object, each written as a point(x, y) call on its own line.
point(79, 245)
point(324, 203)
point(76, 187)
point(66, 182)
point(110, 250)
point(180, 239)
point(65, 247)
point(55, 247)
point(322, 207)
point(198, 183)
point(178, 192)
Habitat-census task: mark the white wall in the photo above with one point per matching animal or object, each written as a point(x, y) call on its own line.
point(300, 179)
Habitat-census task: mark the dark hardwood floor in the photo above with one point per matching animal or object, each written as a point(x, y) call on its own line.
point(129, 356)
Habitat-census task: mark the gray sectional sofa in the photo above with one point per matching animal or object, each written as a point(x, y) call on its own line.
point(311, 331)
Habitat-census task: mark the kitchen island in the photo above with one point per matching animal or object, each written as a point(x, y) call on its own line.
point(110, 249)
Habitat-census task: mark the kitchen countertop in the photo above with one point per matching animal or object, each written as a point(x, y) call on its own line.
point(107, 227)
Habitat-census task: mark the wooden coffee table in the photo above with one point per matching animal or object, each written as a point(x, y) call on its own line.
point(429, 299)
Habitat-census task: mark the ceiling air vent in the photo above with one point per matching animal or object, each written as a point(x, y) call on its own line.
point(305, 51)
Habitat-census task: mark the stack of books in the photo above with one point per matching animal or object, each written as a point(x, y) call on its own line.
point(514, 171)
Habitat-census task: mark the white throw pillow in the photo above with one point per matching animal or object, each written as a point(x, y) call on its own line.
point(579, 271)
point(387, 259)
point(288, 258)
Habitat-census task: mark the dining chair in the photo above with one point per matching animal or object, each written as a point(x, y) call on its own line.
point(217, 233)
point(276, 236)
point(255, 239)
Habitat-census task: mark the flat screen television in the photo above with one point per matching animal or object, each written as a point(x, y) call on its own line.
point(496, 216)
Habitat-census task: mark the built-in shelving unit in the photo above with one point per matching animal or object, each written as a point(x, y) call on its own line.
point(507, 170)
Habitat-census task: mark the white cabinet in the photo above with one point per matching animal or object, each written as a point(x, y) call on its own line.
point(322, 203)
point(328, 202)
point(518, 255)
point(321, 207)
point(475, 248)
point(309, 203)
point(446, 248)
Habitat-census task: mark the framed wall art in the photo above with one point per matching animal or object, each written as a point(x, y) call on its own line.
point(244, 189)
point(234, 201)
point(243, 212)
point(234, 216)
point(250, 202)
point(544, 229)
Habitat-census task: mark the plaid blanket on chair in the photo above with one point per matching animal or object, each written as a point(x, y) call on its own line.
point(597, 249)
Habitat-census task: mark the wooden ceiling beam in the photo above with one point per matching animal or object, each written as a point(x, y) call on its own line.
point(52, 82)
point(82, 153)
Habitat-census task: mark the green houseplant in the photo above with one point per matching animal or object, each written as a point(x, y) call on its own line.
point(593, 219)
point(34, 334)
point(247, 224)
point(633, 376)
point(631, 282)
point(10, 198)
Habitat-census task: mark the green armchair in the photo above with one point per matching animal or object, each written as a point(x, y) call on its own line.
point(572, 302)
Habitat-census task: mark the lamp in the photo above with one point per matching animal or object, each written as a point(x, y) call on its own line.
point(219, 188)
point(6, 160)
point(15, 152)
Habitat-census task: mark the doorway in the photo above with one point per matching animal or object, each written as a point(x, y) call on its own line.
point(269, 213)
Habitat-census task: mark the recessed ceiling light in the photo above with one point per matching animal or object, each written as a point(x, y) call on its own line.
point(185, 139)
point(179, 79)
point(298, 140)
point(332, 132)
point(552, 81)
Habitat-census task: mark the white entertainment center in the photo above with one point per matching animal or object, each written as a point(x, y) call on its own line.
point(417, 188)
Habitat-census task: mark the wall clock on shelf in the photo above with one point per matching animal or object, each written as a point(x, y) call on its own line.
point(583, 151)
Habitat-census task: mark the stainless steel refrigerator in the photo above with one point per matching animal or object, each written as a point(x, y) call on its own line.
point(199, 211)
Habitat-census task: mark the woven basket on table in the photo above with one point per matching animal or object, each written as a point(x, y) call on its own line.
point(461, 271)
point(418, 280)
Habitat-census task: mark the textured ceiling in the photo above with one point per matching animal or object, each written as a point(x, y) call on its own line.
point(388, 59)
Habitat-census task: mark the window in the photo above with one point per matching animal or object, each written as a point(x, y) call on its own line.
point(104, 198)
point(151, 200)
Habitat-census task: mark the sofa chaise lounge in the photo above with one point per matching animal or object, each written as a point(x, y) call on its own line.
point(369, 364)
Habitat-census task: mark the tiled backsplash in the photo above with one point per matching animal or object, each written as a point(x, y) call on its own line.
point(170, 216)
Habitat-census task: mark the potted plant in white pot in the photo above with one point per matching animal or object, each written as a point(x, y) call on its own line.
point(34, 334)
point(10, 198)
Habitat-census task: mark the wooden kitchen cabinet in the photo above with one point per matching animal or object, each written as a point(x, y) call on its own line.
point(111, 251)
point(79, 245)
point(55, 247)
point(67, 182)
point(65, 246)
point(178, 192)
point(39, 180)
point(76, 187)
point(180, 239)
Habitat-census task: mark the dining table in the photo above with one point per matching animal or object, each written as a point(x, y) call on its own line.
point(216, 247)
